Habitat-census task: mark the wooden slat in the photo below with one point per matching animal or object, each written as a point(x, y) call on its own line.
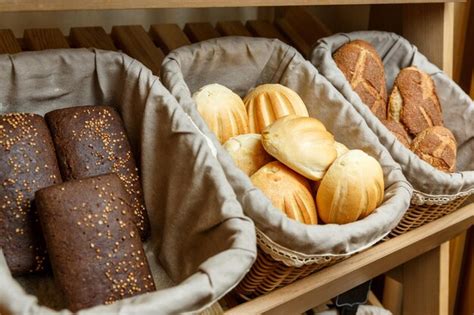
point(468, 59)
point(232, 28)
point(302, 28)
point(60, 5)
point(168, 36)
point(135, 42)
point(88, 37)
point(329, 282)
point(197, 32)
point(386, 17)
point(8, 43)
point(265, 29)
point(44, 38)
point(466, 294)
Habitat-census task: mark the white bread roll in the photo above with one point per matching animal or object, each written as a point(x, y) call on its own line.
point(287, 190)
point(268, 102)
point(222, 110)
point(341, 149)
point(351, 189)
point(247, 152)
point(302, 144)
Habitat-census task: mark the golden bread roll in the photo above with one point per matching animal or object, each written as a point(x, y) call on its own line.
point(341, 149)
point(268, 102)
point(287, 190)
point(414, 102)
point(302, 144)
point(437, 146)
point(398, 131)
point(351, 189)
point(247, 152)
point(363, 68)
point(222, 110)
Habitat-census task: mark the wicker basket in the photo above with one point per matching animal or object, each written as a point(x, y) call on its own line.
point(435, 193)
point(276, 267)
point(425, 210)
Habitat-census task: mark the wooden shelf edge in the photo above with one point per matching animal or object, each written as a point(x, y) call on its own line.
point(59, 5)
point(327, 283)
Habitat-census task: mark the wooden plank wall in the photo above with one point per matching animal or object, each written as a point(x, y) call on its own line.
point(296, 27)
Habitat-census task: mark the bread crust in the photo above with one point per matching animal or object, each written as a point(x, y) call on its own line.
point(363, 68)
point(398, 131)
point(414, 102)
point(437, 146)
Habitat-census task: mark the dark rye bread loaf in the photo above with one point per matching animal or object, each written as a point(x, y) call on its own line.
point(90, 141)
point(94, 247)
point(27, 163)
point(363, 68)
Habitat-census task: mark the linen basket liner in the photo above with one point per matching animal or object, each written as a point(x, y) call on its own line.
point(199, 233)
point(241, 63)
point(431, 186)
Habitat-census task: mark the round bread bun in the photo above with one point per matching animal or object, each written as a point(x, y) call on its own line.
point(341, 149)
point(302, 144)
point(268, 102)
point(437, 146)
point(351, 189)
point(287, 190)
point(247, 152)
point(222, 110)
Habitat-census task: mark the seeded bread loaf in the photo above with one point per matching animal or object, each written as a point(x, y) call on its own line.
point(90, 141)
point(94, 247)
point(363, 68)
point(27, 163)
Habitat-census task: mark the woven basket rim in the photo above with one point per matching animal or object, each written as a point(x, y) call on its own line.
point(294, 258)
point(420, 198)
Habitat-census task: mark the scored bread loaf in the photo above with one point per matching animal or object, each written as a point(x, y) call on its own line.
point(90, 141)
point(222, 110)
point(399, 131)
point(27, 163)
point(363, 68)
point(268, 102)
point(302, 144)
point(94, 247)
point(287, 190)
point(351, 189)
point(437, 146)
point(247, 152)
point(414, 102)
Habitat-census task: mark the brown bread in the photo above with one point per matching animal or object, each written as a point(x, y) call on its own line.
point(94, 247)
point(27, 163)
point(398, 131)
point(90, 141)
point(414, 101)
point(437, 146)
point(363, 68)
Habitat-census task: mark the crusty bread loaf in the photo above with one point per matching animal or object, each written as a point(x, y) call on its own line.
point(90, 141)
point(222, 110)
point(414, 102)
point(302, 144)
point(351, 189)
point(27, 163)
point(247, 152)
point(287, 190)
point(363, 68)
point(268, 102)
point(93, 244)
point(398, 131)
point(437, 146)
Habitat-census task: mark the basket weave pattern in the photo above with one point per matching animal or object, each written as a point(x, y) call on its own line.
point(421, 213)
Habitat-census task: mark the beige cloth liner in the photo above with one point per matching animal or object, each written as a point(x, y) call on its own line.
point(431, 185)
point(241, 63)
point(199, 233)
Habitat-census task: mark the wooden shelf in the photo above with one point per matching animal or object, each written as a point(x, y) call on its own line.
point(60, 5)
point(328, 283)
